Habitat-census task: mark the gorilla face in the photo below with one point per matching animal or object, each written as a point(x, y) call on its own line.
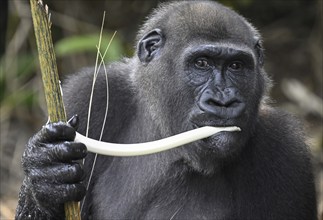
point(209, 74)
point(223, 79)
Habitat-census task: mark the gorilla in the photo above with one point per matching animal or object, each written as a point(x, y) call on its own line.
point(197, 63)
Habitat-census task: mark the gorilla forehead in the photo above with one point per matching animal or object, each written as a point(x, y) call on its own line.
point(188, 20)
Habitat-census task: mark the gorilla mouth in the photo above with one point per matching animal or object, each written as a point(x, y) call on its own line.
point(219, 140)
point(205, 119)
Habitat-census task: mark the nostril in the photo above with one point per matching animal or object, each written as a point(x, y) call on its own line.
point(221, 103)
point(217, 102)
point(212, 102)
point(231, 103)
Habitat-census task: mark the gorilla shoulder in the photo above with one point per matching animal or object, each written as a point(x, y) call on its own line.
point(77, 94)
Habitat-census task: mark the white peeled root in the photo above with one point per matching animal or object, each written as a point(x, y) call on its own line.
point(111, 149)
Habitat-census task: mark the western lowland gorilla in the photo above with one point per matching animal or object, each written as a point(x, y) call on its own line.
point(197, 63)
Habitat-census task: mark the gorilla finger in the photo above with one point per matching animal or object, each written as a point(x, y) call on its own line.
point(59, 194)
point(54, 132)
point(34, 157)
point(74, 192)
point(60, 173)
point(68, 151)
point(39, 157)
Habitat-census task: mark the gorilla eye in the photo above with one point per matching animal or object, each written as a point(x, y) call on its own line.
point(202, 63)
point(236, 66)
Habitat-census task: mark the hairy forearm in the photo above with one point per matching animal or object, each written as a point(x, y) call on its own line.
point(29, 209)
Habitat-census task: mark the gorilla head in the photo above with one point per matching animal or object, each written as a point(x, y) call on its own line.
point(200, 64)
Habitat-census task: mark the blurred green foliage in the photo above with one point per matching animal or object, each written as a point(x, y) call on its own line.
point(87, 43)
point(15, 87)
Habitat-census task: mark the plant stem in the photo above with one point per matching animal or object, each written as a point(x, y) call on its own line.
point(52, 90)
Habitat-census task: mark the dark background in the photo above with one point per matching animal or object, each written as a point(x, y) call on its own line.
point(291, 29)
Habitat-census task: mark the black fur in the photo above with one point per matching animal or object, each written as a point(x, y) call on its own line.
point(197, 63)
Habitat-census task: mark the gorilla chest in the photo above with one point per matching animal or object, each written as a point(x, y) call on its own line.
point(191, 206)
point(191, 199)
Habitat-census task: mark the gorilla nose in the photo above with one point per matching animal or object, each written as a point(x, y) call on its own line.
point(216, 103)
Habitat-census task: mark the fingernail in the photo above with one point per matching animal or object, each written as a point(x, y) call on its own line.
point(73, 121)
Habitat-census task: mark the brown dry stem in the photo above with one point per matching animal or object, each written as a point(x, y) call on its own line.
point(47, 59)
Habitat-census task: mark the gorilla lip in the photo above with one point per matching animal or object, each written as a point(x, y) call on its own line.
point(195, 126)
point(200, 119)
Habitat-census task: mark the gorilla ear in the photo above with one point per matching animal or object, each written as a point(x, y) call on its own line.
point(150, 45)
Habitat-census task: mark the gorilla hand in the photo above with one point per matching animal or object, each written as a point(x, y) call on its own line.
point(52, 176)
